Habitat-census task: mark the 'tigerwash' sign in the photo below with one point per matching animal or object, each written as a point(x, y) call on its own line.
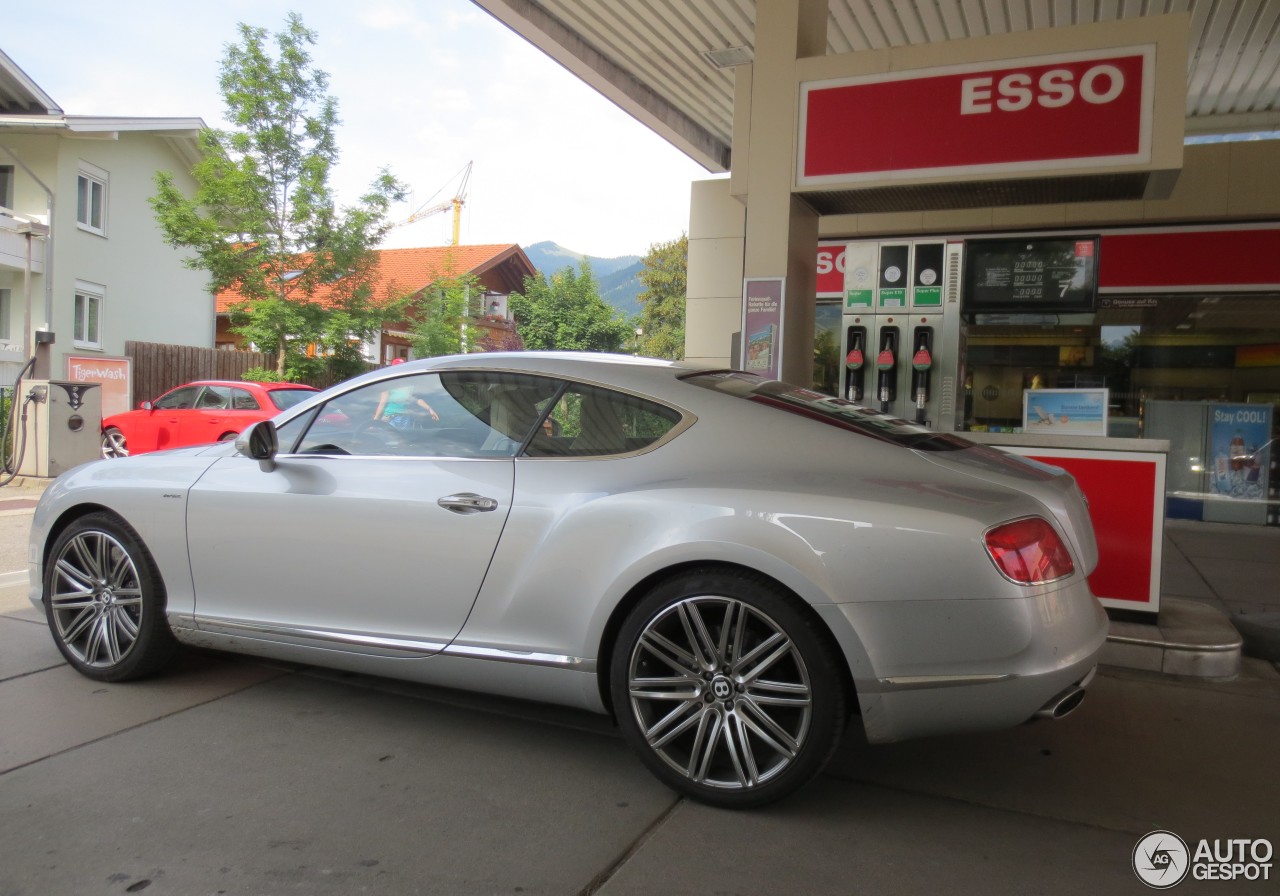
point(1066, 111)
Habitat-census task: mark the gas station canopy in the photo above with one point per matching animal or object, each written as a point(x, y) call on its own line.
point(669, 63)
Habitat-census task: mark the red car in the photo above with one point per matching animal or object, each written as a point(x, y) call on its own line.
point(207, 411)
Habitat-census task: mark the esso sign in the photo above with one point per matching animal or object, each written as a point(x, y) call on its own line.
point(831, 269)
point(1061, 112)
point(1053, 89)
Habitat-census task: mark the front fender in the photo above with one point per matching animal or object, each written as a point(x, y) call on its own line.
point(149, 492)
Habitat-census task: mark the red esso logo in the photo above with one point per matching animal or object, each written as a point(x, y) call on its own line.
point(830, 259)
point(1055, 88)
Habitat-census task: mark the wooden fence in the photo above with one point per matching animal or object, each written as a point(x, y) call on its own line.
point(157, 368)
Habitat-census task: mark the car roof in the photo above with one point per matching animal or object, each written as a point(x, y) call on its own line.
point(625, 371)
point(268, 386)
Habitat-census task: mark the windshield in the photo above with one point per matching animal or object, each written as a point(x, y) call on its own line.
point(825, 409)
point(287, 398)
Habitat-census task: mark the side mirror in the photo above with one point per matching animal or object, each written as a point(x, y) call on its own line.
point(146, 406)
point(259, 441)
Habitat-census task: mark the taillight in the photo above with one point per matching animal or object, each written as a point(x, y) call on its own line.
point(1029, 551)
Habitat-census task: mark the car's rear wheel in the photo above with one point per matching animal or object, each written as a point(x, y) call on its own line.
point(105, 601)
point(114, 443)
point(727, 688)
point(228, 436)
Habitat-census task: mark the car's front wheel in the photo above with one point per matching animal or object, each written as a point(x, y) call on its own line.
point(727, 688)
point(114, 443)
point(104, 601)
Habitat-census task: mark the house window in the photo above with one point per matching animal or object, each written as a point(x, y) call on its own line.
point(91, 199)
point(6, 308)
point(6, 186)
point(86, 331)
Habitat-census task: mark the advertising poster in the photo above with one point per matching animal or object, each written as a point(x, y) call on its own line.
point(1239, 436)
point(762, 326)
point(115, 375)
point(1065, 412)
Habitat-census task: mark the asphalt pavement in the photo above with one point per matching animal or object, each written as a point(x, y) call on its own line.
point(231, 776)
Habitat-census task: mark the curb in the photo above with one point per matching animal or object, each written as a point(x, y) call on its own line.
point(1261, 634)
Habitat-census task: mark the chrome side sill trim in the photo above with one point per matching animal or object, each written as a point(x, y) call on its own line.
point(913, 682)
point(383, 642)
point(351, 639)
point(526, 657)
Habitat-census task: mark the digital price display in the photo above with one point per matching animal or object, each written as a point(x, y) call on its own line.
point(1029, 275)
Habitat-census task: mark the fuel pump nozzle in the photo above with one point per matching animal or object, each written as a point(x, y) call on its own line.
point(886, 367)
point(854, 362)
point(921, 364)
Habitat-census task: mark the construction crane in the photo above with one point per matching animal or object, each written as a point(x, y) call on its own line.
point(459, 199)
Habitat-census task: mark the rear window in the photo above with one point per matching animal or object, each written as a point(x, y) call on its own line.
point(822, 408)
point(287, 398)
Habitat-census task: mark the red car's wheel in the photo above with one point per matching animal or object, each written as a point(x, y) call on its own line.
point(114, 443)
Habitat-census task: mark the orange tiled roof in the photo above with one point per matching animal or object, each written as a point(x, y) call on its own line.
point(408, 270)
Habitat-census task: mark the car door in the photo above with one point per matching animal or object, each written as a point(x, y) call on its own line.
point(161, 428)
point(208, 419)
point(366, 536)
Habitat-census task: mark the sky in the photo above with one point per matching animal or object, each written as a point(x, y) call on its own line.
point(422, 87)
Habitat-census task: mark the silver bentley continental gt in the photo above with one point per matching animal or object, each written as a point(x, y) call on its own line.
point(733, 567)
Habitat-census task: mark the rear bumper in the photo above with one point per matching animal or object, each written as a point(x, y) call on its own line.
point(953, 665)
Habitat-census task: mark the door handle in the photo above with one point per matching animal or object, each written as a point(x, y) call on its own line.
point(468, 502)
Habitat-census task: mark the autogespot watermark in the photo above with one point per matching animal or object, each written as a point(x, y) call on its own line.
point(1162, 860)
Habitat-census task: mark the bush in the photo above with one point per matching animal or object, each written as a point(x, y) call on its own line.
point(262, 375)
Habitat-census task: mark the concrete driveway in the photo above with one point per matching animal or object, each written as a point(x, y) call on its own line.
point(228, 776)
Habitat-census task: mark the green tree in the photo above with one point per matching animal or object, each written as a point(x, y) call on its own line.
point(664, 275)
point(442, 314)
point(564, 312)
point(263, 221)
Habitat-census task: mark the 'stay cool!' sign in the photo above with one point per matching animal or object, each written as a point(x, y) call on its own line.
point(1062, 112)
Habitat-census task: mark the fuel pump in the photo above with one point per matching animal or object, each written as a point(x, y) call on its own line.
point(921, 367)
point(887, 367)
point(901, 303)
point(854, 361)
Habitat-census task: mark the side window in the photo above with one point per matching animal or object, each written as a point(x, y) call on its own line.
point(587, 421)
point(451, 414)
point(214, 398)
point(177, 399)
point(243, 400)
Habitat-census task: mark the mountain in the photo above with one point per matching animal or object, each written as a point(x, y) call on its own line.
point(618, 277)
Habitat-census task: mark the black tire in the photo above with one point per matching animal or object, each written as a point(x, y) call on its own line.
point(727, 688)
point(105, 601)
point(114, 443)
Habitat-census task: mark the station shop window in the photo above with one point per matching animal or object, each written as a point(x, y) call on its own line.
point(1167, 362)
point(826, 348)
point(1144, 348)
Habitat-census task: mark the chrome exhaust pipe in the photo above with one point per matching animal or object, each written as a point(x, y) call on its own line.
point(1062, 705)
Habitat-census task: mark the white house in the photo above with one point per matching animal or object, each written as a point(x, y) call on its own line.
point(83, 265)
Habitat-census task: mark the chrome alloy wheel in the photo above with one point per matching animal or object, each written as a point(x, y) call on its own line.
point(114, 444)
point(720, 692)
point(96, 599)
